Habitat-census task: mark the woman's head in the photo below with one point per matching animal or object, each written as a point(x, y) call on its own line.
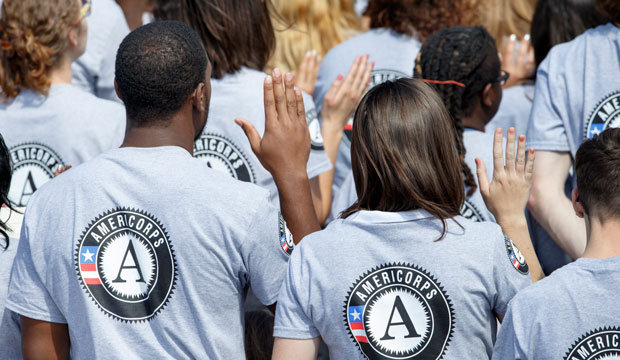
point(503, 18)
point(235, 33)
point(304, 25)
point(38, 37)
point(464, 61)
point(420, 17)
point(611, 9)
point(5, 182)
point(559, 21)
point(402, 153)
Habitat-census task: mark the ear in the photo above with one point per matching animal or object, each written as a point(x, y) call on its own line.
point(576, 204)
point(198, 97)
point(118, 93)
point(74, 36)
point(488, 95)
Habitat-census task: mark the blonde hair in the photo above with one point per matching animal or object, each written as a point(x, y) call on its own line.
point(313, 25)
point(34, 35)
point(507, 17)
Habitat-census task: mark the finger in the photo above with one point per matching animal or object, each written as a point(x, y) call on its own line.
point(524, 46)
point(529, 167)
point(483, 178)
point(510, 150)
point(301, 109)
point(271, 115)
point(498, 154)
point(250, 133)
point(289, 90)
point(357, 80)
point(367, 76)
point(317, 66)
point(509, 48)
point(58, 170)
point(333, 89)
point(521, 155)
point(278, 95)
point(348, 80)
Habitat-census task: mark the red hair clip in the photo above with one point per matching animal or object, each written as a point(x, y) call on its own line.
point(444, 82)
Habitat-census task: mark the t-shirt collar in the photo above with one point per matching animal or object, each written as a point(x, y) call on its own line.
point(385, 217)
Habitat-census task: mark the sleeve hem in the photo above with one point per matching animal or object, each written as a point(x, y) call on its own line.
point(548, 146)
point(320, 168)
point(36, 315)
point(291, 333)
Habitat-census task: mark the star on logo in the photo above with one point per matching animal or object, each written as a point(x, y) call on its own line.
point(596, 131)
point(88, 256)
point(356, 315)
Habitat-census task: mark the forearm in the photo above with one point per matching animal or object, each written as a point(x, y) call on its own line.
point(284, 349)
point(296, 204)
point(516, 230)
point(44, 340)
point(554, 211)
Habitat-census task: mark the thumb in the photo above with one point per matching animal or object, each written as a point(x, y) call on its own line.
point(251, 134)
point(483, 179)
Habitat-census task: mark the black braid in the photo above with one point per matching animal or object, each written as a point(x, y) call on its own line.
point(467, 55)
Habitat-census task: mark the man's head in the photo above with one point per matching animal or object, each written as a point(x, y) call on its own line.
point(160, 68)
point(597, 165)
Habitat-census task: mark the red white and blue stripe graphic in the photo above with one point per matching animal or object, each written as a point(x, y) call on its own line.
point(283, 242)
point(514, 260)
point(88, 266)
point(356, 323)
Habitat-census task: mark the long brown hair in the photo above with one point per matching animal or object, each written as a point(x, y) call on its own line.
point(235, 33)
point(402, 152)
point(34, 35)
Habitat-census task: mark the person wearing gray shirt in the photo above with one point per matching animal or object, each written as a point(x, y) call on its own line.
point(112, 266)
point(402, 275)
point(573, 314)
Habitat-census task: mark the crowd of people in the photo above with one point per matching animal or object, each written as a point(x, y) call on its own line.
point(296, 179)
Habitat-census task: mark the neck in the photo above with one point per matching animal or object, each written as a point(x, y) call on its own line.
point(174, 132)
point(603, 238)
point(475, 121)
point(61, 73)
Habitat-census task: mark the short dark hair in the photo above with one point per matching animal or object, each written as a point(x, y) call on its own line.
point(597, 165)
point(560, 21)
point(402, 153)
point(6, 173)
point(235, 33)
point(467, 55)
point(610, 8)
point(419, 17)
point(158, 66)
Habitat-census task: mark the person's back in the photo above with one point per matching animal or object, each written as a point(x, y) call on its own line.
point(46, 121)
point(573, 314)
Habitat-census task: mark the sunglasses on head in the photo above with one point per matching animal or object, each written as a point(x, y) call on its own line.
point(86, 9)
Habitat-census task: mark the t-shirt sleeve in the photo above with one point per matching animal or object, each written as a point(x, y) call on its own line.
point(546, 130)
point(508, 346)
point(510, 272)
point(318, 161)
point(28, 293)
point(266, 251)
point(293, 319)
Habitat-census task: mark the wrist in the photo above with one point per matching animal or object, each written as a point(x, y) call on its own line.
point(512, 222)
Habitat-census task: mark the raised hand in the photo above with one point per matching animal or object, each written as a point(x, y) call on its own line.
point(308, 72)
point(61, 169)
point(520, 67)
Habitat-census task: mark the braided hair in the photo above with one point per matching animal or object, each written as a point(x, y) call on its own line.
point(466, 55)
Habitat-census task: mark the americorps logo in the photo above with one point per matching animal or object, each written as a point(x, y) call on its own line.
point(223, 155)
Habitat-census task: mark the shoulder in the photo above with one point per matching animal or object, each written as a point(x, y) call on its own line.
point(73, 98)
point(538, 295)
point(573, 50)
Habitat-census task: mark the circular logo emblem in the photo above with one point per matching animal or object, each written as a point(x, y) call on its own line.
point(126, 264)
point(221, 154)
point(377, 77)
point(605, 115)
point(286, 238)
point(316, 139)
point(399, 312)
point(516, 258)
point(470, 212)
point(600, 344)
point(33, 165)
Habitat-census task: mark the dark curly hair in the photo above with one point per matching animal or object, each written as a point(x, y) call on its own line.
point(420, 17)
point(610, 8)
point(157, 67)
point(467, 55)
point(5, 183)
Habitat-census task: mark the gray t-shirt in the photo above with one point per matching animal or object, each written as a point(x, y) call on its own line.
point(577, 91)
point(572, 315)
point(94, 70)
point(223, 144)
point(10, 329)
point(138, 274)
point(394, 56)
point(514, 110)
point(379, 285)
point(67, 127)
point(478, 144)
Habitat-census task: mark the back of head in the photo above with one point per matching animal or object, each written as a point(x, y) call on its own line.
point(402, 154)
point(34, 35)
point(6, 173)
point(158, 66)
point(503, 18)
point(466, 55)
point(597, 166)
point(559, 21)
point(420, 17)
point(235, 33)
point(611, 10)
